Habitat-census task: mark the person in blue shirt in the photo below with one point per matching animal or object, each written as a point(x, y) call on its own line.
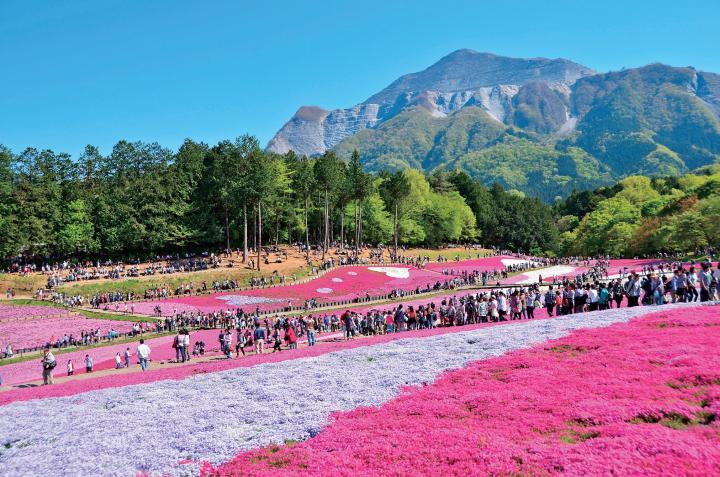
point(259, 338)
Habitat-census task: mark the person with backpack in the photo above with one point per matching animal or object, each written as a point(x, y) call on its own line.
point(48, 363)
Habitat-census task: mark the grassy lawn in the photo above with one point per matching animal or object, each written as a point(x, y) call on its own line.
point(140, 284)
point(23, 285)
point(448, 254)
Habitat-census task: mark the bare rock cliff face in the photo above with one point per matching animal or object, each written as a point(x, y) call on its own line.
point(464, 77)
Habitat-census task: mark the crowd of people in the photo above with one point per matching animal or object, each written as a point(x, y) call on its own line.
point(244, 334)
point(49, 362)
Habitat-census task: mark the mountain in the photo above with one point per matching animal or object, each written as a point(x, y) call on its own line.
point(542, 127)
point(464, 77)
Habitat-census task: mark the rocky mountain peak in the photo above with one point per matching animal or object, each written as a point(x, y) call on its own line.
point(463, 77)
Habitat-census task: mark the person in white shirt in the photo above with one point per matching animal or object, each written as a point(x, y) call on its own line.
point(186, 347)
point(592, 298)
point(143, 354)
point(48, 363)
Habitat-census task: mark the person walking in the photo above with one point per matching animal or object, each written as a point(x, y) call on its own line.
point(88, 364)
point(70, 367)
point(118, 361)
point(127, 357)
point(48, 364)
point(143, 354)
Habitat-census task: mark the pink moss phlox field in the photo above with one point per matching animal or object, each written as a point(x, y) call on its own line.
point(13, 312)
point(641, 398)
point(70, 388)
point(39, 331)
point(341, 284)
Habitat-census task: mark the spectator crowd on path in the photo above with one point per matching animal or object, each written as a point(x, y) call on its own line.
point(653, 285)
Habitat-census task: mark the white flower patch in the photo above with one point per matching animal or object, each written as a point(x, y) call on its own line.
point(512, 261)
point(337, 280)
point(243, 300)
point(354, 274)
point(324, 290)
point(549, 272)
point(392, 272)
point(212, 417)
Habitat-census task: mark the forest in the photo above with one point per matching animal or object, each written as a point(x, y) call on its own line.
point(142, 200)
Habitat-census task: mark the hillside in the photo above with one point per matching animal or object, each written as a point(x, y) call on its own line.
point(542, 127)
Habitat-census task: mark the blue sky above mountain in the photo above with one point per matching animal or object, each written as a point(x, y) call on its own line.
point(90, 72)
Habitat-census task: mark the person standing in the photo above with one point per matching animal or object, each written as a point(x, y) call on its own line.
point(632, 290)
point(259, 338)
point(705, 278)
point(143, 354)
point(48, 364)
point(177, 345)
point(311, 332)
point(70, 367)
point(88, 364)
point(127, 357)
point(118, 361)
point(186, 345)
point(550, 301)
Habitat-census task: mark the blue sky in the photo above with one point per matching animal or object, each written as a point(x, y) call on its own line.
point(94, 72)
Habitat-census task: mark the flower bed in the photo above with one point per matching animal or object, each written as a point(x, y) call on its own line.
point(40, 331)
point(104, 358)
point(635, 399)
point(479, 264)
point(10, 313)
point(212, 416)
point(341, 284)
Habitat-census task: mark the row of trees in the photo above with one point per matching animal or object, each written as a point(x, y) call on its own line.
point(644, 216)
point(143, 199)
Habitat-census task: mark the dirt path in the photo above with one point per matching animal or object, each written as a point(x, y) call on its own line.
point(60, 376)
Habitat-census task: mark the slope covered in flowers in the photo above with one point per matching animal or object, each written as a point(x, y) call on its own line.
point(215, 415)
point(341, 284)
point(641, 398)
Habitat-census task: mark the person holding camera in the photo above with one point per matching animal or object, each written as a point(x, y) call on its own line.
point(48, 363)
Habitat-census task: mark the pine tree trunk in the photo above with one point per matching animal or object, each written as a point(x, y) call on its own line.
point(227, 232)
point(360, 229)
point(307, 232)
point(395, 230)
point(259, 249)
point(245, 234)
point(327, 221)
point(342, 229)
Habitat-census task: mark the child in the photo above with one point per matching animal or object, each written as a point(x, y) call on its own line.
point(118, 361)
